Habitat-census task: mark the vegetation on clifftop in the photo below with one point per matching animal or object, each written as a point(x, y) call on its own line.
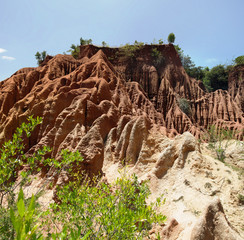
point(213, 79)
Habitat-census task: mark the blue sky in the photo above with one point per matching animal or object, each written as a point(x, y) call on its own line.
point(210, 31)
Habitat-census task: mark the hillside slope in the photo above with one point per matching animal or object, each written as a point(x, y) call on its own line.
point(119, 110)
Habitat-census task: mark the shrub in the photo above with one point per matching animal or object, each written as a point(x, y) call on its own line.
point(40, 57)
point(12, 157)
point(158, 58)
point(85, 208)
point(160, 41)
point(215, 138)
point(107, 211)
point(74, 50)
point(216, 78)
point(24, 219)
point(129, 51)
point(171, 38)
point(184, 105)
point(85, 41)
point(239, 60)
point(104, 44)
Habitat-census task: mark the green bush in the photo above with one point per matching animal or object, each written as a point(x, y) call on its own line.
point(74, 50)
point(24, 220)
point(40, 57)
point(239, 60)
point(104, 44)
point(106, 211)
point(158, 58)
point(171, 38)
point(218, 139)
point(85, 41)
point(184, 105)
point(129, 51)
point(12, 158)
point(216, 78)
point(85, 208)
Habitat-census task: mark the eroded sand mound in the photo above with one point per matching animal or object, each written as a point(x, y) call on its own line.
point(201, 192)
point(118, 111)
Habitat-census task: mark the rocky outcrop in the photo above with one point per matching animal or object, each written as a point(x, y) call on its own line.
point(119, 111)
point(106, 97)
point(81, 103)
point(166, 84)
point(214, 225)
point(191, 182)
point(236, 85)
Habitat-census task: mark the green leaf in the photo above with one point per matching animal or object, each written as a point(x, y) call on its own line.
point(21, 207)
point(86, 236)
point(12, 216)
point(31, 206)
point(21, 194)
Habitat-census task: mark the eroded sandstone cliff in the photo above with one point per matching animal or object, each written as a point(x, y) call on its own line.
point(117, 111)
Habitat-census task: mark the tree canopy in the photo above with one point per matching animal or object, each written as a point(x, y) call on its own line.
point(171, 38)
point(216, 78)
point(40, 57)
point(239, 60)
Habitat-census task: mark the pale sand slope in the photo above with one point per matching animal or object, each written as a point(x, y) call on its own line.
point(191, 178)
point(192, 181)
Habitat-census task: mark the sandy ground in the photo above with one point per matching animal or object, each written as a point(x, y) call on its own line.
point(189, 190)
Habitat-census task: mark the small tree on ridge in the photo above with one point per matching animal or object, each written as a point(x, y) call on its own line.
point(171, 38)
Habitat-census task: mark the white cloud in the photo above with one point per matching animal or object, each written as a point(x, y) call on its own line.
point(8, 58)
point(2, 50)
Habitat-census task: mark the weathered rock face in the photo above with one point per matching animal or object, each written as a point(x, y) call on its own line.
point(118, 111)
point(236, 85)
point(107, 97)
point(191, 180)
point(81, 103)
point(214, 225)
point(166, 83)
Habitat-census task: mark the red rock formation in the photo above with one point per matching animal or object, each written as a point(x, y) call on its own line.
point(165, 84)
point(236, 85)
point(107, 97)
point(105, 105)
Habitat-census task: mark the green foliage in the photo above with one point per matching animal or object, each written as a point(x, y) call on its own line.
point(239, 60)
point(158, 58)
point(196, 72)
point(160, 41)
point(104, 44)
point(106, 211)
point(129, 51)
point(85, 41)
point(74, 50)
point(189, 65)
point(12, 157)
point(86, 209)
point(184, 105)
point(216, 78)
point(40, 57)
point(171, 38)
point(24, 219)
point(6, 227)
point(218, 140)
